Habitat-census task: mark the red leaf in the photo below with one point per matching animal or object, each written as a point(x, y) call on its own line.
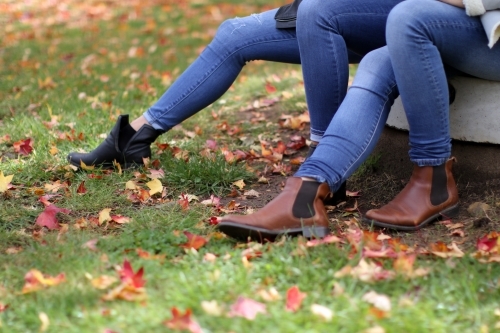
point(48, 217)
point(270, 88)
point(487, 244)
point(194, 241)
point(211, 144)
point(3, 307)
point(214, 220)
point(182, 322)
point(247, 308)
point(23, 147)
point(81, 188)
point(127, 275)
point(184, 202)
point(294, 299)
point(280, 149)
point(296, 142)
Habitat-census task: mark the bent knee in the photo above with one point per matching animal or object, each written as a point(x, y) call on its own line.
point(375, 72)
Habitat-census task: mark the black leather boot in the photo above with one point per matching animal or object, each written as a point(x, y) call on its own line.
point(339, 195)
point(134, 148)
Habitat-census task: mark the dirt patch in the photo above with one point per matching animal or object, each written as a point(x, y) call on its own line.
point(377, 188)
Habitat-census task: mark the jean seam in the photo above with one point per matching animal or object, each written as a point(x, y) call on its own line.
point(372, 131)
point(210, 73)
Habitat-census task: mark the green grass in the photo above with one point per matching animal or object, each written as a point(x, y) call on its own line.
point(95, 81)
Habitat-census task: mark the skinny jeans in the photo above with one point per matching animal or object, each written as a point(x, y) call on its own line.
point(423, 38)
point(330, 34)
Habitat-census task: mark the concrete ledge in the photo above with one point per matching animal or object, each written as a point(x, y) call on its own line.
point(474, 115)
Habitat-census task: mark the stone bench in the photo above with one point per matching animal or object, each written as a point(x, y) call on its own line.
point(474, 127)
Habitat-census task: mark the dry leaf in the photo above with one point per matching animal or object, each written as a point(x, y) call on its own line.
point(247, 308)
point(5, 182)
point(322, 311)
point(212, 308)
point(239, 183)
point(155, 186)
point(294, 298)
point(104, 215)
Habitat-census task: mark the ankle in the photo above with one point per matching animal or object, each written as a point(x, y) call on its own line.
point(137, 123)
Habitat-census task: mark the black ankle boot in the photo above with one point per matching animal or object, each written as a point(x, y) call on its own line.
point(340, 194)
point(134, 150)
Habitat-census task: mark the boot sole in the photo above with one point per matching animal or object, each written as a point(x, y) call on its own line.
point(244, 232)
point(448, 212)
point(108, 166)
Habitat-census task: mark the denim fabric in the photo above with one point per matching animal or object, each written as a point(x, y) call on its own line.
point(357, 125)
point(325, 31)
point(421, 36)
point(326, 53)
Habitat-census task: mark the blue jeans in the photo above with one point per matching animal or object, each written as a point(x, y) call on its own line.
point(330, 34)
point(354, 131)
point(421, 36)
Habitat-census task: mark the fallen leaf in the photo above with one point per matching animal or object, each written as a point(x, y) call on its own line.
point(329, 239)
point(86, 167)
point(34, 280)
point(5, 182)
point(120, 219)
point(269, 295)
point(212, 308)
point(23, 147)
point(193, 241)
point(48, 217)
point(322, 311)
point(104, 215)
point(294, 298)
point(3, 307)
point(103, 282)
point(239, 183)
point(131, 185)
point(366, 271)
point(442, 250)
point(148, 256)
point(45, 321)
point(91, 244)
point(128, 276)
point(155, 186)
point(247, 308)
point(182, 322)
point(14, 250)
point(380, 301)
point(81, 188)
point(252, 194)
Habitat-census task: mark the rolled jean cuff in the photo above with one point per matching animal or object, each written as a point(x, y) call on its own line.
point(333, 186)
point(154, 124)
point(429, 161)
point(316, 137)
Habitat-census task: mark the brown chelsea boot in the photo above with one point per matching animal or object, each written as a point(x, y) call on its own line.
point(298, 210)
point(430, 193)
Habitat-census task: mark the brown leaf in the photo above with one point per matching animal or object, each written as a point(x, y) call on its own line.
point(194, 241)
point(182, 322)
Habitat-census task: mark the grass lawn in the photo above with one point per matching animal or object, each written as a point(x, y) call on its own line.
point(67, 70)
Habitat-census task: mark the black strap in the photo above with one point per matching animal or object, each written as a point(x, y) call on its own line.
point(286, 16)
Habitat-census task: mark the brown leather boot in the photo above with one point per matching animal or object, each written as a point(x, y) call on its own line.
point(430, 193)
point(298, 210)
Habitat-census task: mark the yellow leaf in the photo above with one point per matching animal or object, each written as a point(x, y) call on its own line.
point(53, 150)
point(155, 186)
point(130, 185)
point(4, 182)
point(103, 282)
point(239, 183)
point(45, 321)
point(85, 167)
point(104, 215)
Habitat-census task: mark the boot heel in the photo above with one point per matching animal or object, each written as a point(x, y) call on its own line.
point(450, 212)
point(315, 232)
